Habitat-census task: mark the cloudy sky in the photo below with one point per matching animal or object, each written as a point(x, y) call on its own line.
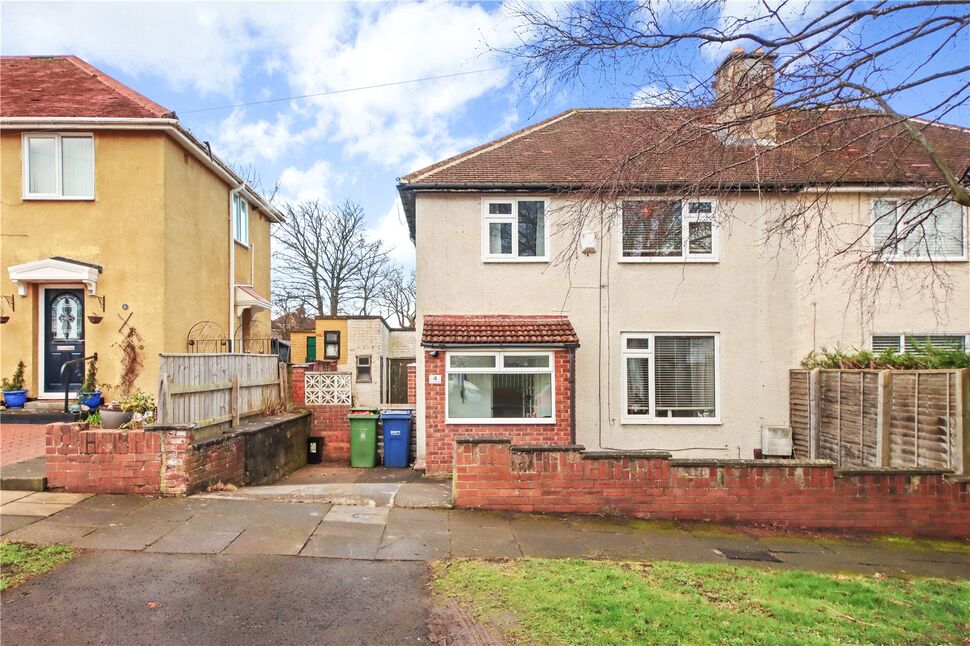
point(204, 59)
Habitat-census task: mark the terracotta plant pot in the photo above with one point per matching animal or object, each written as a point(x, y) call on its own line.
point(114, 418)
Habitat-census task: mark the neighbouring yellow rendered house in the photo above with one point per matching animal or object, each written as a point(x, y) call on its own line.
point(114, 216)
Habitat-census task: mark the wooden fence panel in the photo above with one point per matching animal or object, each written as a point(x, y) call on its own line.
point(892, 418)
point(199, 388)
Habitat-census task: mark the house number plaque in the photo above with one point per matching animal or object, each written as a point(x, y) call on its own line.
point(434, 379)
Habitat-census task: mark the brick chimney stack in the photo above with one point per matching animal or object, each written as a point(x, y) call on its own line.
point(744, 96)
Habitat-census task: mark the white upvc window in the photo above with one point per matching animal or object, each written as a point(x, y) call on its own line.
point(515, 230)
point(927, 229)
point(913, 342)
point(58, 166)
point(500, 388)
point(669, 230)
point(670, 378)
point(240, 219)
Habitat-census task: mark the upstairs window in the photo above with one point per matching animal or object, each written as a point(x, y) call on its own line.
point(914, 342)
point(669, 378)
point(500, 387)
point(927, 229)
point(58, 166)
point(514, 230)
point(240, 219)
point(665, 230)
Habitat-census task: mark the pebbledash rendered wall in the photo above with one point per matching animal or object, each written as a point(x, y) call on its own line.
point(169, 461)
point(440, 436)
point(494, 474)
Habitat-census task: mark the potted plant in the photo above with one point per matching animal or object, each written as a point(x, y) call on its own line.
point(14, 393)
point(119, 413)
point(141, 406)
point(90, 395)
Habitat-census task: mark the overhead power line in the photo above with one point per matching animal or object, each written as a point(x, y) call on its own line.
point(344, 90)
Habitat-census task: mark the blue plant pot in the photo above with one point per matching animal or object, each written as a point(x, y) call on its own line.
point(15, 398)
point(91, 400)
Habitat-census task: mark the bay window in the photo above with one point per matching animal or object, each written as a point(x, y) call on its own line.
point(669, 378)
point(500, 387)
point(668, 230)
point(58, 166)
point(514, 230)
point(924, 229)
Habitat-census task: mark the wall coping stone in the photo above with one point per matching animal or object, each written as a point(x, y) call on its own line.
point(616, 455)
point(252, 425)
point(878, 471)
point(167, 427)
point(547, 448)
point(729, 462)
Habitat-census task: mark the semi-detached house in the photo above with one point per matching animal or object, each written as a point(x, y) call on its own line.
point(667, 318)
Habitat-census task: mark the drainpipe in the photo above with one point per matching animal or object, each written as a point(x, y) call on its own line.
point(232, 268)
point(572, 395)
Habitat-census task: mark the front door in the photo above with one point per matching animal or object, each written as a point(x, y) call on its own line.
point(63, 337)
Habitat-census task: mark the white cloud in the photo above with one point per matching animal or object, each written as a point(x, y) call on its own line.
point(653, 96)
point(313, 183)
point(245, 142)
point(392, 230)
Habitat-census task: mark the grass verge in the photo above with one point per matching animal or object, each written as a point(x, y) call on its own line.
point(20, 561)
point(603, 602)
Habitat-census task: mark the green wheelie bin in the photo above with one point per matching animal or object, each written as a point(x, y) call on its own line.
point(363, 437)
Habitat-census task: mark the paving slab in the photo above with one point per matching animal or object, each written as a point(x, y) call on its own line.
point(23, 508)
point(424, 495)
point(58, 498)
point(400, 545)
point(127, 536)
point(468, 540)
point(789, 545)
point(25, 475)
point(360, 494)
point(190, 540)
point(345, 540)
point(9, 523)
point(13, 494)
point(545, 537)
point(271, 539)
point(45, 532)
point(356, 514)
point(621, 545)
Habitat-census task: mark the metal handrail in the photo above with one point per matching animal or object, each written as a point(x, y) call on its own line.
point(67, 384)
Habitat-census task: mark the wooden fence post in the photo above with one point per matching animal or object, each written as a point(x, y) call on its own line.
point(963, 421)
point(283, 389)
point(164, 400)
point(883, 417)
point(814, 412)
point(234, 399)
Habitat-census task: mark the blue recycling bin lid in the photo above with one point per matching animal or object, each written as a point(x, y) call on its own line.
point(397, 414)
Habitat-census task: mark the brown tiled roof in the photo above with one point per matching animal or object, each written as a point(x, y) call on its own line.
point(66, 86)
point(583, 147)
point(501, 329)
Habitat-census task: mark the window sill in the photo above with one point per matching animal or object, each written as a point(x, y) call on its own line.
point(924, 260)
point(667, 261)
point(244, 245)
point(672, 421)
point(506, 421)
point(524, 259)
point(57, 198)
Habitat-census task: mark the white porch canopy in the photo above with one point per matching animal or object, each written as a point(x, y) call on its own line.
point(55, 270)
point(247, 297)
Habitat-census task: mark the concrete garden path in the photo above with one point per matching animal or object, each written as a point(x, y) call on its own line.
point(214, 525)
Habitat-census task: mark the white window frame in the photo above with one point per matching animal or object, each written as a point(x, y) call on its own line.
point(902, 338)
point(57, 195)
point(370, 368)
point(500, 368)
point(652, 419)
point(685, 218)
point(900, 257)
point(236, 234)
point(488, 218)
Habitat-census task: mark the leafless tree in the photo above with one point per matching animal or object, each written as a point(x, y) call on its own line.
point(323, 254)
point(370, 281)
point(397, 296)
point(837, 70)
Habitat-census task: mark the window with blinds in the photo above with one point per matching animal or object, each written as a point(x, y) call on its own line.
point(914, 342)
point(669, 377)
point(918, 229)
point(58, 166)
point(668, 229)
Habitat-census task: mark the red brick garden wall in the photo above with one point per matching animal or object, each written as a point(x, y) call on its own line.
point(440, 437)
point(189, 467)
point(329, 421)
point(412, 384)
point(810, 495)
point(100, 461)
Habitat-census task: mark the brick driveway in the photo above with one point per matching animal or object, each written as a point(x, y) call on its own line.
point(21, 442)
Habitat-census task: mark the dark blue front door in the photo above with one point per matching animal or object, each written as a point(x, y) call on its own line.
point(63, 336)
